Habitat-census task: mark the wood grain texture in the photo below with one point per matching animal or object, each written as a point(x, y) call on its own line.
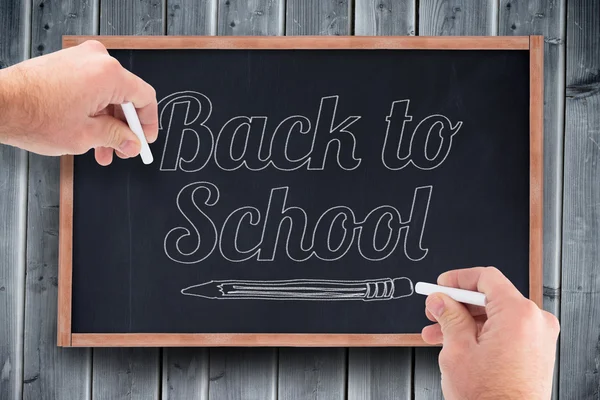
point(65, 251)
point(457, 17)
point(318, 17)
point(132, 17)
point(185, 374)
point(448, 17)
point(192, 17)
point(383, 373)
point(250, 17)
point(131, 374)
point(128, 373)
point(243, 339)
point(536, 167)
point(243, 373)
point(14, 47)
point(427, 379)
point(312, 374)
point(379, 374)
point(384, 17)
point(580, 307)
point(306, 42)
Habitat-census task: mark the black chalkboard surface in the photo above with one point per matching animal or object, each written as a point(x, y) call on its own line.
point(304, 191)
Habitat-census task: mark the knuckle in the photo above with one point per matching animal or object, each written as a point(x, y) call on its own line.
point(492, 271)
point(552, 322)
point(112, 65)
point(94, 45)
point(449, 357)
point(450, 319)
point(112, 134)
point(530, 309)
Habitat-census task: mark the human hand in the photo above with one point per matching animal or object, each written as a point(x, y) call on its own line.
point(67, 103)
point(503, 351)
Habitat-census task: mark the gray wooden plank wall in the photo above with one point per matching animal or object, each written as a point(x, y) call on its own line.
point(32, 367)
point(580, 301)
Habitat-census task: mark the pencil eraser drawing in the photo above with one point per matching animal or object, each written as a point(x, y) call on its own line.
point(303, 289)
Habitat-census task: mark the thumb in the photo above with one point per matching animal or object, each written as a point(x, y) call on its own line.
point(456, 321)
point(114, 133)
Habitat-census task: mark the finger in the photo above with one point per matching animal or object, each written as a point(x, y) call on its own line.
point(457, 324)
point(143, 97)
point(429, 315)
point(488, 280)
point(475, 310)
point(104, 155)
point(121, 155)
point(107, 131)
point(432, 334)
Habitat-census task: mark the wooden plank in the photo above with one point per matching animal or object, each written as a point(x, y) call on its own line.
point(448, 18)
point(537, 17)
point(580, 306)
point(386, 373)
point(192, 17)
point(457, 17)
point(185, 374)
point(307, 42)
point(312, 374)
point(132, 17)
point(243, 373)
point(318, 17)
point(50, 372)
point(255, 17)
point(379, 374)
point(243, 339)
point(536, 173)
point(14, 47)
point(128, 373)
point(385, 17)
point(427, 380)
point(185, 371)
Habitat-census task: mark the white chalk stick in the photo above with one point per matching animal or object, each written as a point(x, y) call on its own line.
point(134, 124)
point(461, 295)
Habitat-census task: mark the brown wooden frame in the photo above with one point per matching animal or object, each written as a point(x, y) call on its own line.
point(534, 44)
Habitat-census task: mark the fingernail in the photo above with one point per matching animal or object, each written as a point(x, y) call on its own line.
point(435, 305)
point(130, 148)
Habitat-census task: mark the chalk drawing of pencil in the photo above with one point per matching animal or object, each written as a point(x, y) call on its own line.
point(304, 289)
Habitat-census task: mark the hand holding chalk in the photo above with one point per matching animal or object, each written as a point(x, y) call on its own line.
point(505, 351)
point(134, 124)
point(461, 295)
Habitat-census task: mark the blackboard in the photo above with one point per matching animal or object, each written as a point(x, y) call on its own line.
point(303, 191)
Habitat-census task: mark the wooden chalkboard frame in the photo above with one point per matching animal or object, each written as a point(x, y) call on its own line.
point(534, 44)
